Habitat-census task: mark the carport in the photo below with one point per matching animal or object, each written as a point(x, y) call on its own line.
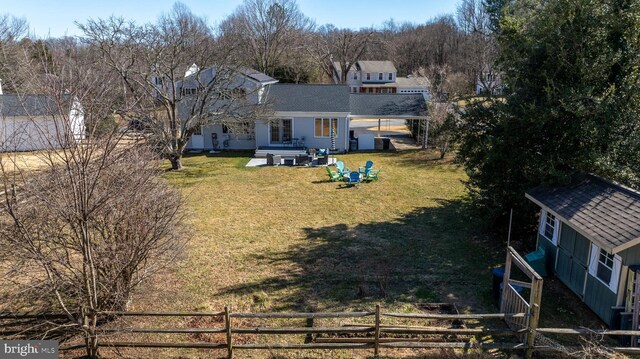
point(375, 117)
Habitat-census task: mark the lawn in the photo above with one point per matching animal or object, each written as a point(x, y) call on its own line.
point(284, 238)
point(287, 239)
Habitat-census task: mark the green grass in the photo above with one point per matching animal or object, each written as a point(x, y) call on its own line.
point(284, 238)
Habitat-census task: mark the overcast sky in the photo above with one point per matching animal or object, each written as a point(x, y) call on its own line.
point(56, 17)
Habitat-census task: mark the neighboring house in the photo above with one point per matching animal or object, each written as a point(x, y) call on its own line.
point(590, 232)
point(489, 82)
point(380, 77)
point(34, 122)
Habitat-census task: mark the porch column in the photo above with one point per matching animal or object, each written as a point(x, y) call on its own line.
point(378, 127)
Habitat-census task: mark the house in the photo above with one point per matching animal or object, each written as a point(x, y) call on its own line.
point(590, 233)
point(34, 122)
point(248, 82)
point(299, 115)
point(489, 82)
point(380, 77)
point(311, 114)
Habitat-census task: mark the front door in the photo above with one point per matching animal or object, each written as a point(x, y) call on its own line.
point(280, 131)
point(572, 260)
point(197, 139)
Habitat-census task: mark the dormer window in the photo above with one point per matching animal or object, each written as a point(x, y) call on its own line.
point(390, 76)
point(380, 76)
point(368, 76)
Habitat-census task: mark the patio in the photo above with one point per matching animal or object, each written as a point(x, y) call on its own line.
point(262, 162)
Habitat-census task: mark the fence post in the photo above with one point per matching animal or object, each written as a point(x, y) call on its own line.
point(376, 341)
point(227, 326)
point(505, 279)
point(534, 309)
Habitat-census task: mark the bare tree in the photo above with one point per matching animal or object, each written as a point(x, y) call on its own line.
point(175, 77)
point(266, 32)
point(12, 29)
point(92, 220)
point(343, 46)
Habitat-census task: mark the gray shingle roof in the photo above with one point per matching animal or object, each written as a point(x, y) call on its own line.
point(390, 105)
point(309, 98)
point(376, 66)
point(27, 105)
point(604, 212)
point(257, 75)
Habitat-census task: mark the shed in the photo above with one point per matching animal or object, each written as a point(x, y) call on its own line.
point(590, 232)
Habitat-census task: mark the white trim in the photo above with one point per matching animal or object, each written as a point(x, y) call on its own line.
point(330, 120)
point(616, 269)
point(556, 231)
point(615, 273)
point(541, 222)
point(280, 114)
point(593, 260)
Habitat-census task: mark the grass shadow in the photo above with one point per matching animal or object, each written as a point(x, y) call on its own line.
point(425, 255)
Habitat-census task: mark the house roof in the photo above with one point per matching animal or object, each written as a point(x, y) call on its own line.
point(387, 105)
point(257, 75)
point(376, 66)
point(605, 212)
point(369, 66)
point(309, 98)
point(413, 81)
point(27, 105)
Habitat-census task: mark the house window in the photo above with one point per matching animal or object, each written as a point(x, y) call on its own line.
point(355, 75)
point(368, 76)
point(380, 76)
point(549, 226)
point(605, 266)
point(225, 129)
point(197, 130)
point(323, 127)
point(390, 76)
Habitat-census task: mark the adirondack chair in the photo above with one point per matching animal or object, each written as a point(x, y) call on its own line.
point(341, 169)
point(366, 169)
point(333, 176)
point(354, 179)
point(373, 175)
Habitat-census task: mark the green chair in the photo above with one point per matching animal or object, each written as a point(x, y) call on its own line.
point(333, 176)
point(373, 175)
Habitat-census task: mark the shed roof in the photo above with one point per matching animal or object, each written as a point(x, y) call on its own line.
point(603, 211)
point(27, 105)
point(309, 98)
point(387, 105)
point(257, 75)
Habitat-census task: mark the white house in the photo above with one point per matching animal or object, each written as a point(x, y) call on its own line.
point(380, 77)
point(34, 122)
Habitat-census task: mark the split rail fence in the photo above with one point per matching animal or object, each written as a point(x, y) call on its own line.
point(515, 328)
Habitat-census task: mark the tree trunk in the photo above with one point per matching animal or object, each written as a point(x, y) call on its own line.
point(176, 162)
point(90, 322)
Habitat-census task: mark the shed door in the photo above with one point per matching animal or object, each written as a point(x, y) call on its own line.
point(573, 259)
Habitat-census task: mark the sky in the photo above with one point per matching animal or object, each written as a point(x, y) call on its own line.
point(55, 18)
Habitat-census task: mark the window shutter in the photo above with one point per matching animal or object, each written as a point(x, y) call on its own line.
point(593, 260)
point(615, 274)
point(556, 231)
point(543, 217)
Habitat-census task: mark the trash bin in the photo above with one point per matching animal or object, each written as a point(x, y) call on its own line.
point(537, 261)
point(497, 276)
point(353, 145)
point(386, 143)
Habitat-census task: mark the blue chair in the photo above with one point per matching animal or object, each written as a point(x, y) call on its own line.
point(341, 169)
point(366, 169)
point(353, 179)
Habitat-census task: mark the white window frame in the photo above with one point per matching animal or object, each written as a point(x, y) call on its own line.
point(330, 126)
point(390, 76)
point(380, 76)
point(368, 76)
point(355, 75)
point(594, 262)
point(543, 224)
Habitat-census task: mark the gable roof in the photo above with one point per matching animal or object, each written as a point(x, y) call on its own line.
point(257, 75)
point(604, 212)
point(369, 66)
point(27, 105)
point(387, 105)
point(375, 66)
point(309, 98)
